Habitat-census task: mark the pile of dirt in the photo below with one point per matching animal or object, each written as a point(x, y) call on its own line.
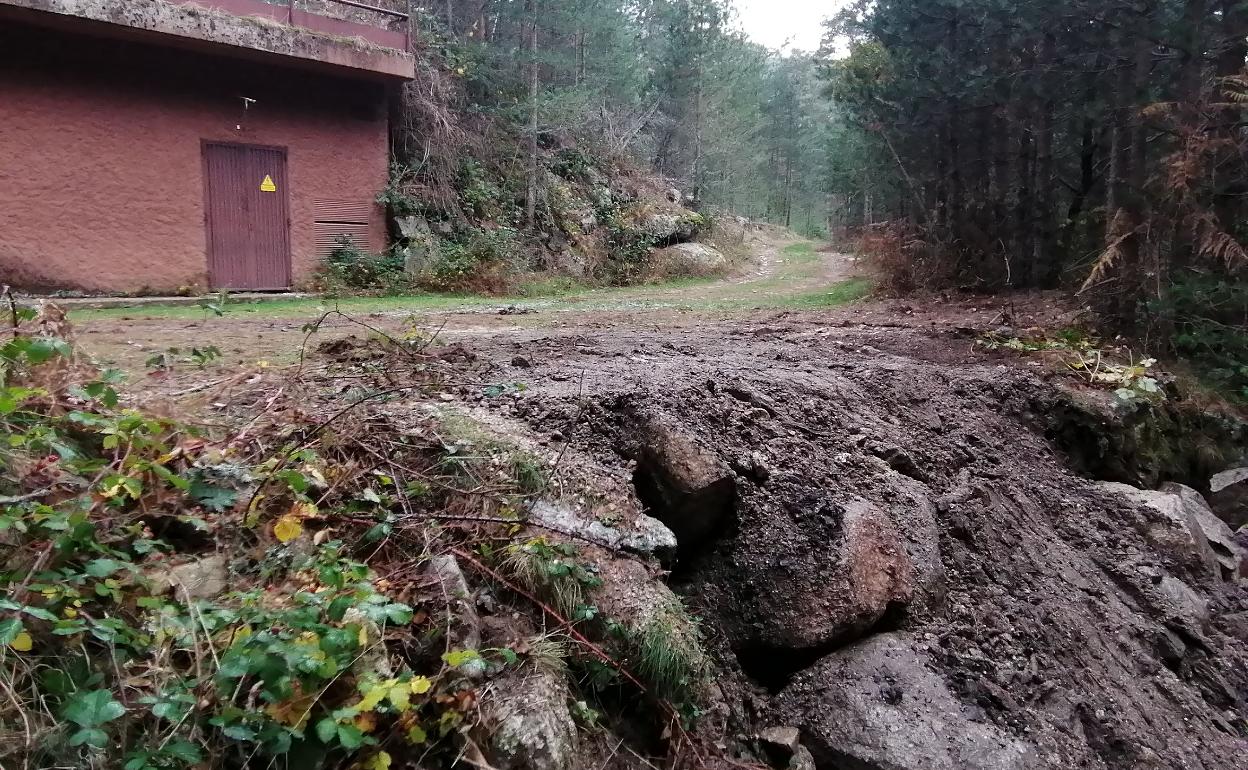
point(892, 557)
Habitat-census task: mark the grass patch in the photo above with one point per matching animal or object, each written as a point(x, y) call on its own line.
point(842, 293)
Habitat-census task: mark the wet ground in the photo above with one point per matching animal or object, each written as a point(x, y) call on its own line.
point(911, 569)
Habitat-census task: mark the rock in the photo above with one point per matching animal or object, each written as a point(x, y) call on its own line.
point(686, 486)
point(528, 721)
point(688, 259)
point(1228, 496)
point(465, 623)
point(645, 536)
point(1235, 624)
point(784, 741)
point(1204, 536)
point(916, 518)
point(802, 759)
point(200, 579)
point(1184, 602)
point(671, 226)
point(520, 362)
point(418, 243)
point(373, 660)
point(876, 573)
point(877, 705)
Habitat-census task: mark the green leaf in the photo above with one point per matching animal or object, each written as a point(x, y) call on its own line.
point(238, 732)
point(93, 708)
point(9, 629)
point(457, 658)
point(212, 497)
point(183, 750)
point(326, 730)
point(102, 568)
point(399, 614)
point(91, 736)
point(350, 736)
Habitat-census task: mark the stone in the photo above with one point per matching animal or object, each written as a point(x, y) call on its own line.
point(1188, 526)
point(465, 623)
point(673, 226)
point(782, 740)
point(878, 705)
point(644, 536)
point(876, 574)
point(373, 660)
point(802, 759)
point(527, 719)
point(685, 485)
point(520, 362)
point(1184, 602)
point(419, 244)
point(1228, 496)
point(688, 259)
point(200, 579)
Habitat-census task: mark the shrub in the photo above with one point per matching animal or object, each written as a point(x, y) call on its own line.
point(478, 259)
point(352, 268)
point(1205, 316)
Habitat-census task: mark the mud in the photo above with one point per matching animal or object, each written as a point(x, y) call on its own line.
point(1001, 610)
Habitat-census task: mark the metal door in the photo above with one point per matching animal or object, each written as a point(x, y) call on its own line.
point(246, 211)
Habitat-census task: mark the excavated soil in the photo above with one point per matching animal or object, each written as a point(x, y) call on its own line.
point(893, 556)
point(897, 542)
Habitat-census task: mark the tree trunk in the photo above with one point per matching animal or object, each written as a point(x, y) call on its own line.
point(530, 197)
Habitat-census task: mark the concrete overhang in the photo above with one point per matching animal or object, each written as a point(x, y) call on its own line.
point(264, 34)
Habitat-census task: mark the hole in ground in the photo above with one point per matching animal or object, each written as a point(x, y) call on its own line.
point(772, 667)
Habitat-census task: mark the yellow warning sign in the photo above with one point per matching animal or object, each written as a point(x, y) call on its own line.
point(267, 185)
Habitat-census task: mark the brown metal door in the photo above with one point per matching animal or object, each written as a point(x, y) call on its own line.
point(248, 223)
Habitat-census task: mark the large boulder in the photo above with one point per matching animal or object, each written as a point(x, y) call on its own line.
point(878, 706)
point(1187, 526)
point(685, 485)
point(688, 259)
point(672, 226)
point(868, 572)
point(1228, 496)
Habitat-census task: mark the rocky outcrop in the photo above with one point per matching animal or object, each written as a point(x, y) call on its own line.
point(878, 706)
point(671, 226)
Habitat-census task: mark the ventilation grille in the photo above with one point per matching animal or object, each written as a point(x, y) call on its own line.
point(336, 220)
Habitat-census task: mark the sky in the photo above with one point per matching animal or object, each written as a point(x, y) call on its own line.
point(774, 23)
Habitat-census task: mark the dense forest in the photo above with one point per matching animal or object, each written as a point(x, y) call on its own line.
point(1093, 145)
point(671, 85)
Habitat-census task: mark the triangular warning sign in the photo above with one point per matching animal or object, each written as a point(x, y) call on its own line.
point(267, 185)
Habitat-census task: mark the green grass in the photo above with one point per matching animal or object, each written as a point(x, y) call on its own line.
point(803, 251)
point(801, 262)
point(542, 289)
point(837, 294)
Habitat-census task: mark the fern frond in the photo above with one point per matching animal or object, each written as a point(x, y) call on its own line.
point(1112, 254)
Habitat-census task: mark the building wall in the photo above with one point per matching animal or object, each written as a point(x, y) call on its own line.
point(101, 170)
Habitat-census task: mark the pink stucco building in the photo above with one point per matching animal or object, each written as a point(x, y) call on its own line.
point(171, 144)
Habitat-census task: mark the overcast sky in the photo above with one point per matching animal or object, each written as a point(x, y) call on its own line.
point(796, 22)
